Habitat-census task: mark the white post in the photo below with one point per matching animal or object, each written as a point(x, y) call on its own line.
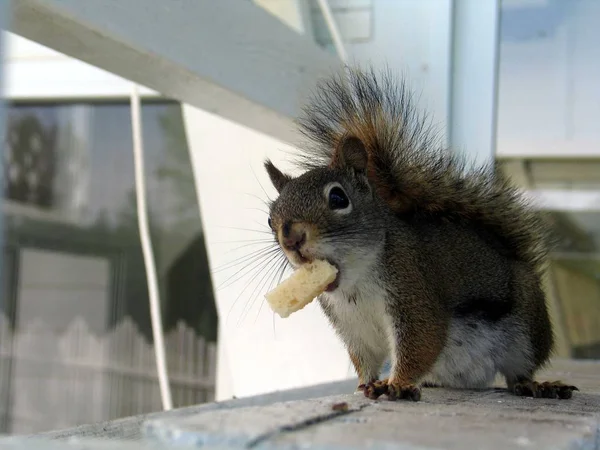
point(3, 24)
point(475, 29)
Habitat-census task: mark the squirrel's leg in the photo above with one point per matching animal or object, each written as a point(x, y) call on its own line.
point(366, 365)
point(413, 358)
point(534, 311)
point(415, 348)
point(362, 380)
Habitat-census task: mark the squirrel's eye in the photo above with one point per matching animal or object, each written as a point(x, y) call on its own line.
point(338, 198)
point(269, 222)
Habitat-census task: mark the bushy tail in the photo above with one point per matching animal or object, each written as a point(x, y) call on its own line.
point(409, 168)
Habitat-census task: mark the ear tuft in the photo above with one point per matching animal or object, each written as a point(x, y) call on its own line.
point(353, 154)
point(278, 178)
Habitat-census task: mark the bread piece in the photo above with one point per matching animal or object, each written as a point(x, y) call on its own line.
point(301, 288)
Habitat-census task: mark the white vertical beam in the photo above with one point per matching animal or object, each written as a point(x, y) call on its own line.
point(3, 20)
point(475, 32)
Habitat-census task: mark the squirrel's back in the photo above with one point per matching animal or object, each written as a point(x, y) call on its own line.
point(411, 171)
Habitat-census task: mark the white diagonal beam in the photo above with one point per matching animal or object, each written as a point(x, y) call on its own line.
point(228, 57)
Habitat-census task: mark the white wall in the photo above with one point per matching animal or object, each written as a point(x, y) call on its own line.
point(262, 351)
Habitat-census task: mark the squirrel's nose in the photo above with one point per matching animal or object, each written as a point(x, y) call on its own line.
point(294, 236)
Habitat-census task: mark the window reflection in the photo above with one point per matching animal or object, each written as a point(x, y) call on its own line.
point(76, 342)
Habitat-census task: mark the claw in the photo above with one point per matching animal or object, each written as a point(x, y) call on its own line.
point(375, 389)
point(393, 391)
point(547, 389)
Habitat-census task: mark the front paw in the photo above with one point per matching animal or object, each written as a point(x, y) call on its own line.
point(375, 389)
point(403, 392)
point(394, 391)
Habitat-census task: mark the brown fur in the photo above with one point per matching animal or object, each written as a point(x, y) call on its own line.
point(356, 362)
point(408, 167)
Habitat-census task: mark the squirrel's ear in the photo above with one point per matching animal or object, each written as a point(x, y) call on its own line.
point(353, 153)
point(278, 178)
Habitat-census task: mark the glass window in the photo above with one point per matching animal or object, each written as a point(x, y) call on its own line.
point(77, 339)
point(549, 94)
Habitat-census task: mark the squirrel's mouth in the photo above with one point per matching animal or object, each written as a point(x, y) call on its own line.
point(302, 258)
point(335, 283)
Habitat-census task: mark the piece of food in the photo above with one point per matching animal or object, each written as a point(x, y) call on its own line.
point(301, 288)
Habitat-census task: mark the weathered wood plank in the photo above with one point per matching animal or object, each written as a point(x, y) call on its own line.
point(228, 57)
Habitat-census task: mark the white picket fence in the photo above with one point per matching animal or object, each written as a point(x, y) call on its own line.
point(58, 379)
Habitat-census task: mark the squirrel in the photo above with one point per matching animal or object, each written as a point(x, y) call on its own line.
point(439, 264)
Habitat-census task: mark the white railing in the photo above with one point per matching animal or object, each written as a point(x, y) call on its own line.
point(60, 379)
point(229, 57)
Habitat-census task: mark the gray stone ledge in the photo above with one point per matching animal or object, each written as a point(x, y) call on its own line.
point(491, 419)
point(303, 418)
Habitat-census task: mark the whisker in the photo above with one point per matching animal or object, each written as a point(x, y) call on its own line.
point(258, 198)
point(242, 241)
point(250, 281)
point(271, 260)
point(259, 224)
point(247, 269)
point(248, 245)
point(282, 266)
point(260, 286)
point(285, 266)
point(243, 258)
point(260, 184)
point(270, 232)
point(257, 209)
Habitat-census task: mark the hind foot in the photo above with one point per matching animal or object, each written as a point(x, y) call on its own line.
point(546, 389)
point(394, 391)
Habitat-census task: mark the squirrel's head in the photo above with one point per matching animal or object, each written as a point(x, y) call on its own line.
point(329, 213)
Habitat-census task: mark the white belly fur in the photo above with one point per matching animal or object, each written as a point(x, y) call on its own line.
point(363, 324)
point(472, 357)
